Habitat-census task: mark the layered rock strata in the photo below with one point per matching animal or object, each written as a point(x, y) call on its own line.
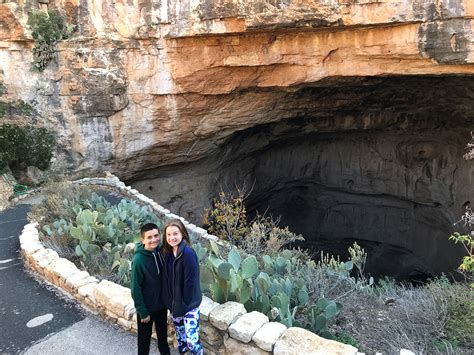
point(349, 118)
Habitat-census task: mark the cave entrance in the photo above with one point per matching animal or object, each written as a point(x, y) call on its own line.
point(373, 160)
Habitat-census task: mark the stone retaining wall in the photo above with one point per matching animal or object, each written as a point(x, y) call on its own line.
point(225, 328)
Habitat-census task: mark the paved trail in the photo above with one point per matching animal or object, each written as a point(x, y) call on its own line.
point(37, 319)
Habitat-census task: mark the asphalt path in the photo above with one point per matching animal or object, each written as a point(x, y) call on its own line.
point(36, 318)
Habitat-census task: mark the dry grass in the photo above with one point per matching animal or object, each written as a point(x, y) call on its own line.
point(54, 194)
point(420, 319)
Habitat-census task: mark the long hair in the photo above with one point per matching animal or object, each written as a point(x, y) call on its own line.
point(178, 224)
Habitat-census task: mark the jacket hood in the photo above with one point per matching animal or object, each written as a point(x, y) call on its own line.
point(140, 249)
point(181, 247)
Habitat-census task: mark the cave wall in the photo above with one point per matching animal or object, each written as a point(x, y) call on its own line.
point(350, 104)
point(385, 169)
point(151, 83)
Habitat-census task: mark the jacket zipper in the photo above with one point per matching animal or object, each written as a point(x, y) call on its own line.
point(156, 263)
point(174, 280)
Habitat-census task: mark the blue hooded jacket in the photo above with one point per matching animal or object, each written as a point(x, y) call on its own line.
point(182, 289)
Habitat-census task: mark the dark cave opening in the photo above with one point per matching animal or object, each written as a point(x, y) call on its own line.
point(337, 188)
point(373, 160)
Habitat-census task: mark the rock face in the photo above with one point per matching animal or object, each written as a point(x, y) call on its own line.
point(349, 118)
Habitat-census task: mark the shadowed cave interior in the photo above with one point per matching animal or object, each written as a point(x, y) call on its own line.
point(373, 160)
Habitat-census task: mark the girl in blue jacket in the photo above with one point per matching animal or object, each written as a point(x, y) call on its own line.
point(184, 290)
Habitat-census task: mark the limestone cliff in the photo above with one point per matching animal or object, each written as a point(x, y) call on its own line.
point(351, 115)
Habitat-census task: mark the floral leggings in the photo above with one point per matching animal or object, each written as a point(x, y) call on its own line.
point(187, 332)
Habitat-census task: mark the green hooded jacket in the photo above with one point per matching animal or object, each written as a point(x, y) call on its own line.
point(146, 281)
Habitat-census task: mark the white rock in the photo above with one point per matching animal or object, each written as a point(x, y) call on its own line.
point(207, 305)
point(172, 216)
point(113, 297)
point(125, 324)
point(406, 352)
point(44, 259)
point(129, 311)
point(154, 205)
point(87, 291)
point(301, 341)
point(80, 279)
point(245, 326)
point(210, 237)
point(235, 347)
point(29, 234)
point(225, 314)
point(30, 247)
point(267, 335)
point(36, 256)
point(64, 268)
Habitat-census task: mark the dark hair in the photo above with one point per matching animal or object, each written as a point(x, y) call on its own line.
point(148, 227)
point(174, 223)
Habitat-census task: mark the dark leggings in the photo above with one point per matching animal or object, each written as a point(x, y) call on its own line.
point(159, 318)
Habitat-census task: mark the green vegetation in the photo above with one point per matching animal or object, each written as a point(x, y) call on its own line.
point(3, 105)
point(21, 107)
point(30, 145)
point(330, 297)
point(346, 338)
point(3, 109)
point(460, 314)
point(228, 221)
point(47, 29)
point(96, 234)
point(228, 218)
point(467, 241)
point(24, 107)
point(274, 286)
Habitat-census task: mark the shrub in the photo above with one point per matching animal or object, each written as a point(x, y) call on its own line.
point(264, 237)
point(56, 195)
point(346, 338)
point(358, 257)
point(24, 107)
point(467, 241)
point(46, 29)
point(228, 217)
point(421, 318)
point(459, 329)
point(33, 146)
point(3, 108)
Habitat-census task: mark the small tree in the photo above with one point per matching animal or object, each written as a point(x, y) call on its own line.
point(467, 241)
point(228, 217)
